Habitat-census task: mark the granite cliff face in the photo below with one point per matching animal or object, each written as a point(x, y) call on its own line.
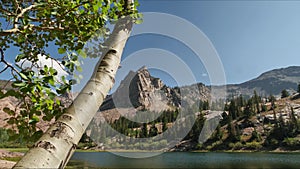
point(141, 91)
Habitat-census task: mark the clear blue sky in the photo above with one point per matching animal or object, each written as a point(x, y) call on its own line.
point(251, 37)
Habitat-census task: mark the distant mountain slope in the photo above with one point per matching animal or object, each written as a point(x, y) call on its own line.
point(271, 82)
point(5, 84)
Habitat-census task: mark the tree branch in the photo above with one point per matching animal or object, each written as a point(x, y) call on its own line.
point(8, 65)
point(23, 11)
point(49, 28)
point(9, 32)
point(16, 4)
point(77, 6)
point(6, 11)
point(4, 69)
point(15, 28)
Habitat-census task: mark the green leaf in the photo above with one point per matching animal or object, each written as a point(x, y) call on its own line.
point(33, 99)
point(76, 24)
point(13, 137)
point(52, 71)
point(36, 136)
point(81, 53)
point(19, 57)
point(95, 7)
point(13, 93)
point(11, 121)
point(8, 111)
point(79, 69)
point(19, 84)
point(58, 102)
point(24, 113)
point(52, 82)
point(34, 119)
point(54, 13)
point(61, 50)
point(138, 21)
point(63, 79)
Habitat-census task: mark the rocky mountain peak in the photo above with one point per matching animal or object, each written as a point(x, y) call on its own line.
point(140, 90)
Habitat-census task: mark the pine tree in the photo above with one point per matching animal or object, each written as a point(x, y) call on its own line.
point(144, 132)
point(294, 120)
point(241, 101)
point(153, 130)
point(164, 124)
point(272, 99)
point(256, 101)
point(219, 133)
point(275, 117)
point(230, 127)
point(255, 136)
point(284, 93)
point(247, 111)
point(205, 105)
point(282, 127)
point(136, 133)
point(233, 109)
point(238, 133)
point(197, 127)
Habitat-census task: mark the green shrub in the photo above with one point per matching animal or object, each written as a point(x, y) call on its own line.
point(264, 108)
point(253, 145)
point(209, 147)
point(231, 145)
point(199, 146)
point(86, 145)
point(236, 146)
point(291, 142)
point(274, 142)
point(215, 144)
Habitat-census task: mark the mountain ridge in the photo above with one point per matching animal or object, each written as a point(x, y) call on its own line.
point(152, 94)
point(140, 91)
point(269, 83)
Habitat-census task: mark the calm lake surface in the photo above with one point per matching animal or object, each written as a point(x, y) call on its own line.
point(188, 160)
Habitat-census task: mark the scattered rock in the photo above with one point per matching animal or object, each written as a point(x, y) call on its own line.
point(248, 131)
point(4, 164)
point(5, 153)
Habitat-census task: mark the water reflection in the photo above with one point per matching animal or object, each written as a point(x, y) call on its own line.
point(188, 160)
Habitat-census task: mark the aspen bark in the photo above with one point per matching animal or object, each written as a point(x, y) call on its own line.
point(56, 146)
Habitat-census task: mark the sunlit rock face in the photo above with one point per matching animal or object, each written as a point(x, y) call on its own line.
point(141, 91)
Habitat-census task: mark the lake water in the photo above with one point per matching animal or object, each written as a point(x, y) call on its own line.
point(188, 160)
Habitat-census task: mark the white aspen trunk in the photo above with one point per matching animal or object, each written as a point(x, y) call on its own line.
point(56, 146)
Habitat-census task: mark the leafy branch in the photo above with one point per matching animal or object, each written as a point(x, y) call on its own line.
point(31, 27)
